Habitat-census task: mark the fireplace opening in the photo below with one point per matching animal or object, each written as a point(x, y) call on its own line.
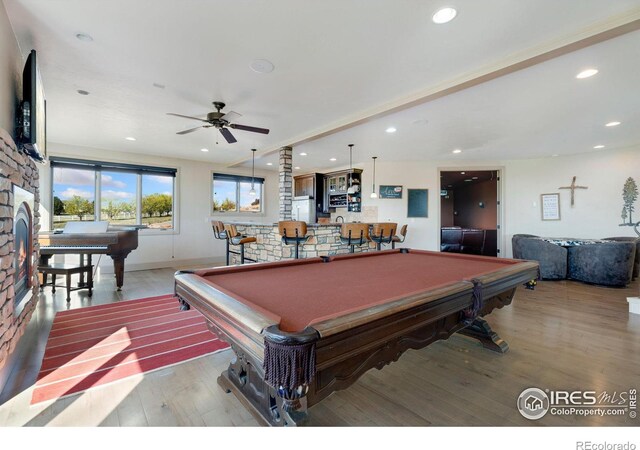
point(23, 245)
point(22, 238)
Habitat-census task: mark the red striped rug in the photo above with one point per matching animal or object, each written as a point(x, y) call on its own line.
point(93, 346)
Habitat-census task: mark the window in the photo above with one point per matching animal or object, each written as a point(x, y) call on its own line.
point(74, 194)
point(232, 193)
point(122, 194)
point(118, 197)
point(157, 201)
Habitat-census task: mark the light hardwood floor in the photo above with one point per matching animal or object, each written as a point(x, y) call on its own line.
point(564, 335)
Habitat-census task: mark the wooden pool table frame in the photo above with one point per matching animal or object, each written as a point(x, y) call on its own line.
point(346, 346)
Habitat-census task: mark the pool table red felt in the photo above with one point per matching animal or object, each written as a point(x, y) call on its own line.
point(303, 329)
point(301, 293)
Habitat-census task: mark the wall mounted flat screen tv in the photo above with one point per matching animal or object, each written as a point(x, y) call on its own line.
point(32, 129)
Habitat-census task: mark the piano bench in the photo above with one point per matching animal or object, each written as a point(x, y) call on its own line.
point(67, 270)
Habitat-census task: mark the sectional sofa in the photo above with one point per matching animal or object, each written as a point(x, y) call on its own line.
point(609, 262)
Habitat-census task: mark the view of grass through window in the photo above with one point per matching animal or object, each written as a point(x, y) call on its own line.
point(124, 198)
point(235, 196)
point(74, 194)
point(157, 201)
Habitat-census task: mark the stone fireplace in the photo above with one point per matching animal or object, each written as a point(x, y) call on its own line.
point(19, 226)
point(23, 244)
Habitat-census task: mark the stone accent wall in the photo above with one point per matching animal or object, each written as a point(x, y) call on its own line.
point(286, 183)
point(15, 168)
point(324, 240)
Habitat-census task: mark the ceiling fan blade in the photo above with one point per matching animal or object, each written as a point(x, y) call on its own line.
point(187, 117)
point(248, 128)
point(227, 135)
point(190, 130)
point(231, 116)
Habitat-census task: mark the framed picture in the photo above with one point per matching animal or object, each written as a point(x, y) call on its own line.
point(550, 206)
point(390, 191)
point(417, 202)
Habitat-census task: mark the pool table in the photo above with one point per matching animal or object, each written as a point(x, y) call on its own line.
point(301, 329)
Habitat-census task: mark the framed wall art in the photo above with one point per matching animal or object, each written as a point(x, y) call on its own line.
point(550, 206)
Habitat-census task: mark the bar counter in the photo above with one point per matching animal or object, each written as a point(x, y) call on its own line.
point(324, 240)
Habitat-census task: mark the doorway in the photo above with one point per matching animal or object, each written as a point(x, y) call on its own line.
point(470, 211)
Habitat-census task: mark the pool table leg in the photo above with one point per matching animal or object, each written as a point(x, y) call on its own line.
point(482, 331)
point(268, 408)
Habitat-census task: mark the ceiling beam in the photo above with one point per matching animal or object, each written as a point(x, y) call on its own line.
point(594, 34)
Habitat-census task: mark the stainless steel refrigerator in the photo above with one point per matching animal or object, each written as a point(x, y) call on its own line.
point(304, 209)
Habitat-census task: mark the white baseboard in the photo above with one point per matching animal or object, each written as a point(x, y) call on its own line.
point(634, 305)
point(108, 269)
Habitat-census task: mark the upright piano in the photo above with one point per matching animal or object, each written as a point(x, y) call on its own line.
point(116, 241)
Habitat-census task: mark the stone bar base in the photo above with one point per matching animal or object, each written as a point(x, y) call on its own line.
point(324, 240)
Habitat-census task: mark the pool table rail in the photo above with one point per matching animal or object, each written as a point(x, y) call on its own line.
point(230, 320)
point(348, 345)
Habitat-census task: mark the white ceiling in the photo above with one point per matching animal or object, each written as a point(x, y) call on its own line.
point(336, 62)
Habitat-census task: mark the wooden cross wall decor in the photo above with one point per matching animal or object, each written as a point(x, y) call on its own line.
point(573, 188)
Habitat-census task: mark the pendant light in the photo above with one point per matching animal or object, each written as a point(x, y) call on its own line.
point(350, 165)
point(252, 192)
point(373, 193)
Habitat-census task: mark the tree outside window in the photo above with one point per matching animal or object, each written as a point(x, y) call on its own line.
point(122, 194)
point(157, 201)
point(232, 193)
point(74, 193)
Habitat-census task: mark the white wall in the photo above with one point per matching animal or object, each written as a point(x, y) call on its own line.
point(193, 242)
point(10, 74)
point(596, 213)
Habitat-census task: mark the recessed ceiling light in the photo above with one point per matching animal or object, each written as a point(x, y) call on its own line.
point(390, 130)
point(612, 124)
point(587, 73)
point(332, 159)
point(554, 155)
point(451, 185)
point(130, 138)
point(598, 146)
point(269, 164)
point(84, 37)
point(462, 173)
point(82, 92)
point(204, 149)
point(444, 15)
point(262, 66)
point(468, 179)
point(474, 178)
point(297, 167)
point(303, 154)
point(456, 151)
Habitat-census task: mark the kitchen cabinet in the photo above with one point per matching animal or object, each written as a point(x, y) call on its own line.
point(343, 190)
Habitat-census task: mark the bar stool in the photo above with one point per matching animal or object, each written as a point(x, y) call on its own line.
point(293, 232)
point(354, 234)
point(383, 232)
point(401, 238)
point(235, 238)
point(221, 234)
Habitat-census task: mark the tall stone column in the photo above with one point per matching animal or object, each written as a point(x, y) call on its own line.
point(285, 183)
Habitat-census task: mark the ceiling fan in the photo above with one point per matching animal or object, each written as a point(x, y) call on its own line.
point(222, 121)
